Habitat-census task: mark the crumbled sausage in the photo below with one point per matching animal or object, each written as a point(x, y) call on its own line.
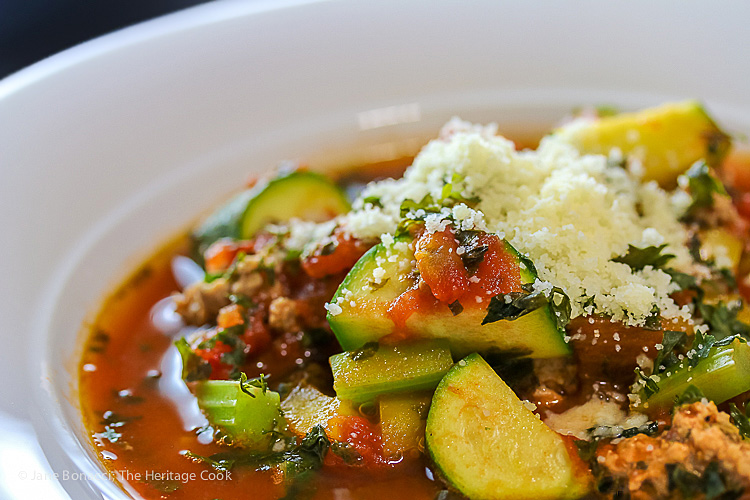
point(283, 314)
point(700, 435)
point(201, 302)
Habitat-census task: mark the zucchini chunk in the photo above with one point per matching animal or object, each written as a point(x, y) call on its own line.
point(375, 369)
point(300, 194)
point(364, 313)
point(305, 407)
point(403, 418)
point(247, 420)
point(667, 139)
point(489, 446)
point(722, 375)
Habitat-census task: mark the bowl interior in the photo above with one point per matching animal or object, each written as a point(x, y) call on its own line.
point(177, 113)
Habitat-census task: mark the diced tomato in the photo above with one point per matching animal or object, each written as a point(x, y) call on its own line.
point(219, 370)
point(440, 266)
point(418, 298)
point(340, 256)
point(742, 202)
point(497, 273)
point(220, 255)
point(735, 170)
point(231, 315)
point(256, 336)
point(363, 436)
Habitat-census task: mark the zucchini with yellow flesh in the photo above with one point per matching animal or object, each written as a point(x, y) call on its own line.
point(489, 446)
point(305, 407)
point(667, 139)
point(402, 423)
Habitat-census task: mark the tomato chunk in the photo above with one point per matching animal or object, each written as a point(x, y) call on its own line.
point(220, 255)
point(440, 265)
point(418, 298)
point(339, 255)
point(498, 272)
point(363, 437)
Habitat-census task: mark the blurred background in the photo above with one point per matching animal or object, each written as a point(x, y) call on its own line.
point(31, 30)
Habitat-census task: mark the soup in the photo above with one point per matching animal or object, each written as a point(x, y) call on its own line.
point(550, 323)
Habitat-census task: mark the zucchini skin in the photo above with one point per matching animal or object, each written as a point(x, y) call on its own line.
point(722, 375)
point(300, 194)
point(247, 420)
point(489, 446)
point(367, 320)
point(406, 367)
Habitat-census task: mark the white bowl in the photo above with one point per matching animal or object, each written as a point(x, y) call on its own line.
point(114, 145)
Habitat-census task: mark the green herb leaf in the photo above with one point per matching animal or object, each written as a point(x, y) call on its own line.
point(373, 200)
point(702, 186)
point(666, 357)
point(691, 395)
point(683, 280)
point(510, 306)
point(258, 383)
point(638, 258)
point(722, 318)
point(741, 419)
point(650, 387)
point(194, 367)
point(513, 305)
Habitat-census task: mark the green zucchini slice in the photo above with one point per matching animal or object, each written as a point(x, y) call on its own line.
point(300, 194)
point(375, 369)
point(248, 420)
point(489, 446)
point(364, 314)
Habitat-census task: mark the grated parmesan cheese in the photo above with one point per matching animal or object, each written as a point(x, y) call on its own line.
point(569, 213)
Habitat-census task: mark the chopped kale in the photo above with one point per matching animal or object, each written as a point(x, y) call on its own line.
point(638, 258)
point(691, 395)
point(650, 387)
point(711, 483)
point(510, 306)
point(194, 367)
point(741, 418)
point(666, 358)
point(722, 318)
point(683, 280)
